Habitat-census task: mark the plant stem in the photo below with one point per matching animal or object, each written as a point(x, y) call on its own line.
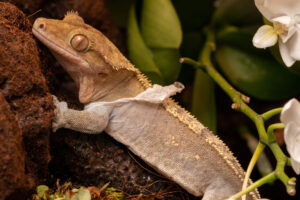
point(271, 113)
point(282, 160)
point(289, 162)
point(266, 179)
point(237, 97)
point(271, 129)
point(259, 149)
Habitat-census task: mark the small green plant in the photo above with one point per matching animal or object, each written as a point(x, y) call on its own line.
point(69, 192)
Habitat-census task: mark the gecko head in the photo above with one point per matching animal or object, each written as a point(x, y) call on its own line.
point(92, 61)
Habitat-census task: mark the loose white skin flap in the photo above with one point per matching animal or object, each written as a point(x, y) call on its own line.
point(95, 116)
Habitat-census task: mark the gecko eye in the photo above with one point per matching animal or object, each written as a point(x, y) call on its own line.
point(80, 42)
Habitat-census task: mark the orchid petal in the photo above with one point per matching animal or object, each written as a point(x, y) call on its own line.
point(275, 8)
point(263, 7)
point(297, 20)
point(285, 15)
point(290, 112)
point(283, 28)
point(290, 116)
point(296, 166)
point(265, 37)
point(285, 54)
point(286, 20)
point(292, 30)
point(294, 46)
point(292, 140)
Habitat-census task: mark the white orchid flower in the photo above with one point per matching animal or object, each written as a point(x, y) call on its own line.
point(285, 16)
point(290, 116)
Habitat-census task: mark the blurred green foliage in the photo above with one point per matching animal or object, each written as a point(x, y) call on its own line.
point(162, 31)
point(258, 74)
point(139, 53)
point(160, 25)
point(194, 16)
point(69, 192)
point(156, 39)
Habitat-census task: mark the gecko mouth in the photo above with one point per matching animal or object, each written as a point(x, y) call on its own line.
point(57, 49)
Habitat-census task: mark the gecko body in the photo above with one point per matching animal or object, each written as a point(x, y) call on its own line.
point(121, 101)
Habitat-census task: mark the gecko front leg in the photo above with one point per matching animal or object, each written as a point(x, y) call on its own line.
point(92, 121)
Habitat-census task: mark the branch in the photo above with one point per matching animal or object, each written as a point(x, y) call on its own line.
point(239, 103)
point(259, 149)
point(271, 113)
point(266, 179)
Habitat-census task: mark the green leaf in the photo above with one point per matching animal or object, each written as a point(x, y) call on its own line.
point(235, 37)
point(113, 194)
point(139, 53)
point(160, 26)
point(82, 194)
point(51, 197)
point(193, 14)
point(257, 75)
point(41, 190)
point(203, 100)
point(167, 60)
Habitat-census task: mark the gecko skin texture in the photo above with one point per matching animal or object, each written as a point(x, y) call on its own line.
point(121, 101)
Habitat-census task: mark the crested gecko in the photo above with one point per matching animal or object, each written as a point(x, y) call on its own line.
point(121, 101)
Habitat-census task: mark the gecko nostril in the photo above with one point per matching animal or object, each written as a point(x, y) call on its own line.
point(42, 26)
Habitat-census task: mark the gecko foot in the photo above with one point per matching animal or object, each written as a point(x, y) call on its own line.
point(60, 107)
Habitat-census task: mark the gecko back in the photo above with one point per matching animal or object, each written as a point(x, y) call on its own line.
point(190, 159)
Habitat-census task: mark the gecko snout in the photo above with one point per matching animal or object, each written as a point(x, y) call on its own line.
point(39, 24)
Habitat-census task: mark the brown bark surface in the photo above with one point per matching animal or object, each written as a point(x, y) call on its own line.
point(13, 181)
point(23, 86)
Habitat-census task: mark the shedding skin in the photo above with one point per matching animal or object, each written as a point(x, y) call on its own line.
point(121, 101)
